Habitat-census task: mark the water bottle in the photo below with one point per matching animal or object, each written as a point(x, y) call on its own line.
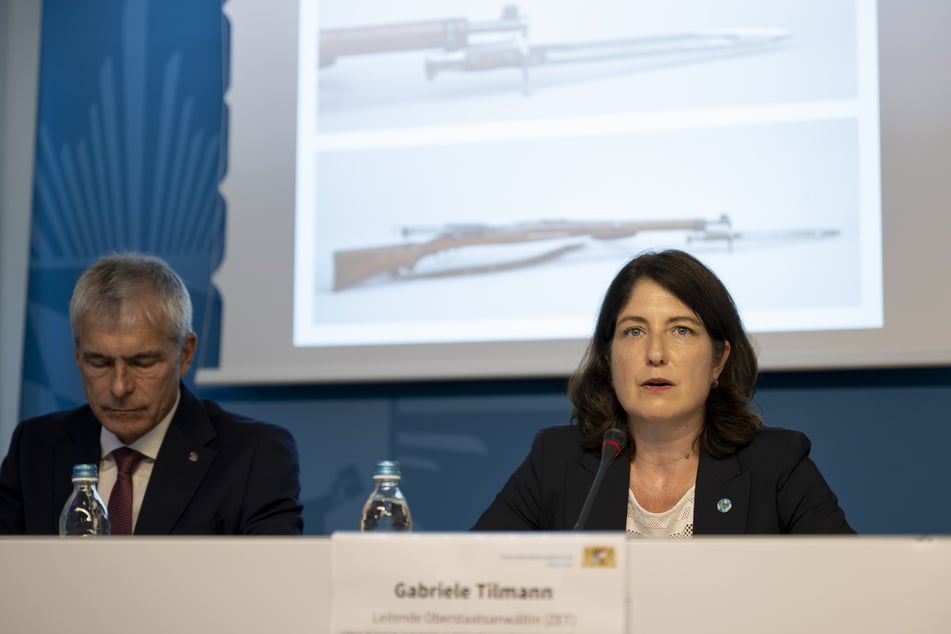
point(386, 508)
point(84, 512)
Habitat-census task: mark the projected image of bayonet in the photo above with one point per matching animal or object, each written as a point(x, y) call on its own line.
point(465, 46)
point(678, 48)
point(767, 235)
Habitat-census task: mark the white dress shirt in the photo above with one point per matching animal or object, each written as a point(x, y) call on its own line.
point(148, 445)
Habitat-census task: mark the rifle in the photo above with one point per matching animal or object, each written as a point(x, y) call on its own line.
point(466, 46)
point(352, 266)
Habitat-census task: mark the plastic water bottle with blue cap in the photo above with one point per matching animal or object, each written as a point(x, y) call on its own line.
point(84, 513)
point(386, 508)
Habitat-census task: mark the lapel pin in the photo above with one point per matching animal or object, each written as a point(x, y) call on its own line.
point(192, 456)
point(724, 505)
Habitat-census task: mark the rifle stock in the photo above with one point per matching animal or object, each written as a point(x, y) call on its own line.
point(352, 266)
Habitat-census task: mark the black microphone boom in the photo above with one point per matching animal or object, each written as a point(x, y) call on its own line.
point(612, 444)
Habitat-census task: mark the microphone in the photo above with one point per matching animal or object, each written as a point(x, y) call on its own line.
point(612, 444)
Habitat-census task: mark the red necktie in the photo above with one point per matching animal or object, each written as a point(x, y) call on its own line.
point(120, 500)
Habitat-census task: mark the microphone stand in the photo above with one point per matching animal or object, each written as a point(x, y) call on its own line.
point(612, 445)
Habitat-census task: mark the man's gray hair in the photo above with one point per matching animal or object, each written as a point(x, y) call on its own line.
point(107, 291)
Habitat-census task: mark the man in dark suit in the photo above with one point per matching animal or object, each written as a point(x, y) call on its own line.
point(195, 470)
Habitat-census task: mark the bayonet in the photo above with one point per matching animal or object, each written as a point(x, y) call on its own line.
point(765, 235)
point(671, 48)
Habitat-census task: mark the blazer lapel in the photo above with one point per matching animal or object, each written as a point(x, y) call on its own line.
point(79, 445)
point(722, 499)
point(608, 509)
point(181, 465)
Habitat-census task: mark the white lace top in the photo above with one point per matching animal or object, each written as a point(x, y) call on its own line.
point(675, 523)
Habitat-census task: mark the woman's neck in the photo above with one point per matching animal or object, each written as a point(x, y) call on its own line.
point(664, 465)
point(663, 444)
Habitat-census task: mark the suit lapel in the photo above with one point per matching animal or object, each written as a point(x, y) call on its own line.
point(722, 499)
point(79, 445)
point(608, 510)
point(181, 465)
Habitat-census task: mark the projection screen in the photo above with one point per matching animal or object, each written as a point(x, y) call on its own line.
point(444, 190)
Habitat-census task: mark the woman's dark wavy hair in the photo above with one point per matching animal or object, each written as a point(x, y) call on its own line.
point(729, 421)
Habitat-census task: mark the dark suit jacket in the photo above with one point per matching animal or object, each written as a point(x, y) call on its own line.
point(772, 484)
point(216, 474)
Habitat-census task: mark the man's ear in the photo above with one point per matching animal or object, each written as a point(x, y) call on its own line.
point(188, 352)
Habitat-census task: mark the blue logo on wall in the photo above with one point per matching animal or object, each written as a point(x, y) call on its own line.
point(129, 154)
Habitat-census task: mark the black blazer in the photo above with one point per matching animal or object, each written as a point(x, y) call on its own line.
point(216, 474)
point(771, 484)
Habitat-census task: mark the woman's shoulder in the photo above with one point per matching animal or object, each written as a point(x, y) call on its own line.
point(560, 439)
point(559, 434)
point(779, 435)
point(776, 442)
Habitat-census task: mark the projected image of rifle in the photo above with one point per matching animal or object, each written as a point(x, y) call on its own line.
point(470, 46)
point(402, 261)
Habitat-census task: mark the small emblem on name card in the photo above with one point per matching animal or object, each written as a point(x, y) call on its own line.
point(599, 557)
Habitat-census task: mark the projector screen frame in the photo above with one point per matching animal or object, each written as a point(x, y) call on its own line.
point(915, 160)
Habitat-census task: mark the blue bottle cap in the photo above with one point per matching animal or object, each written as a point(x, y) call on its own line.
point(86, 471)
point(387, 468)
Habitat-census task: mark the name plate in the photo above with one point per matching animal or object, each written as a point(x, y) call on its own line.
point(474, 583)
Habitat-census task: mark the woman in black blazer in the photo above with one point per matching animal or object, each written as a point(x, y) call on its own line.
point(671, 366)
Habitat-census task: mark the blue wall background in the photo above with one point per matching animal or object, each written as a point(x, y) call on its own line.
point(129, 155)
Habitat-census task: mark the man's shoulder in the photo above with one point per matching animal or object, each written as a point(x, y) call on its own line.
point(39, 434)
point(58, 419)
point(61, 415)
